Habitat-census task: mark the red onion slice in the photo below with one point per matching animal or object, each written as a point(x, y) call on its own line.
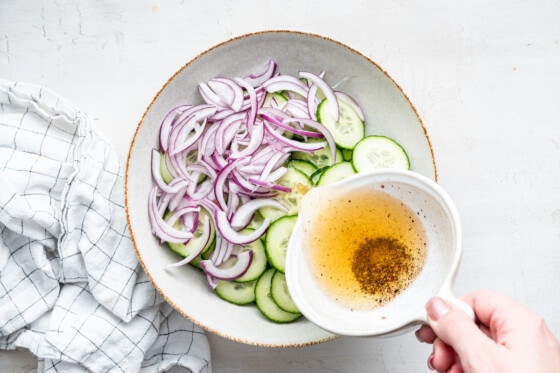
point(286, 83)
point(161, 228)
point(231, 235)
point(262, 74)
point(245, 213)
point(238, 269)
point(353, 103)
point(327, 91)
point(201, 242)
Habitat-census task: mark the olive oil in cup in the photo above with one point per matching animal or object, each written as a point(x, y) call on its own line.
point(369, 251)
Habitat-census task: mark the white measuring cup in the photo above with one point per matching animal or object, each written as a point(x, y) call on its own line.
point(443, 230)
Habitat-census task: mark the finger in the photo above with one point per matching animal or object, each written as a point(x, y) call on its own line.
point(489, 305)
point(426, 334)
point(500, 316)
point(456, 329)
point(456, 368)
point(443, 357)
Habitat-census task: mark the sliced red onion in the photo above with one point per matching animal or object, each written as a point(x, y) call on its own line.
point(261, 74)
point(211, 97)
point(293, 144)
point(227, 156)
point(253, 100)
point(270, 185)
point(179, 213)
point(245, 213)
point(327, 91)
point(273, 163)
point(161, 228)
point(219, 190)
point(202, 242)
point(222, 251)
point(322, 129)
point(229, 91)
point(165, 126)
point(231, 235)
point(353, 103)
point(297, 109)
point(286, 83)
point(238, 269)
point(189, 141)
point(284, 124)
point(174, 186)
point(256, 141)
point(275, 175)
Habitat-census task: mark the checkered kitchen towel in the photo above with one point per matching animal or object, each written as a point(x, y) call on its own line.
point(71, 288)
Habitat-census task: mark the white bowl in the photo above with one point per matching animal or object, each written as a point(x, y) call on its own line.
point(442, 226)
point(388, 112)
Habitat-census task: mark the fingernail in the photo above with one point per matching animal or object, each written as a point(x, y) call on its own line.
point(417, 334)
point(437, 308)
point(430, 363)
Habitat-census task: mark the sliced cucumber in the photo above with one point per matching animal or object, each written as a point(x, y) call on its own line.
point(163, 169)
point(190, 158)
point(375, 152)
point(347, 154)
point(348, 130)
point(259, 262)
point(320, 158)
point(299, 184)
point(315, 176)
point(205, 255)
point(274, 100)
point(276, 241)
point(336, 172)
point(236, 292)
point(280, 293)
point(304, 166)
point(265, 302)
point(194, 243)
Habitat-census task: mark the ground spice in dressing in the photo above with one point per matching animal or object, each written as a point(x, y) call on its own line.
point(383, 267)
point(368, 248)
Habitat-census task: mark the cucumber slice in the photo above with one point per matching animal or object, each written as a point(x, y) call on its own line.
point(348, 130)
point(235, 292)
point(299, 184)
point(347, 154)
point(276, 241)
point(280, 293)
point(163, 169)
point(194, 243)
point(190, 158)
point(315, 176)
point(266, 304)
point(336, 172)
point(274, 100)
point(304, 166)
point(204, 255)
point(320, 158)
point(259, 263)
point(375, 152)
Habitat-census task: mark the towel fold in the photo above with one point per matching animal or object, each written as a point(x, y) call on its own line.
point(71, 288)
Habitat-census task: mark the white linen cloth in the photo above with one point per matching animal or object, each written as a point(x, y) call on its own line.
point(71, 288)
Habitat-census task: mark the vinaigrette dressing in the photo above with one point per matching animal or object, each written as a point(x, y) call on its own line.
point(366, 247)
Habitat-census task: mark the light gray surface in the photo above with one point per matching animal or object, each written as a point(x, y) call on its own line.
point(483, 75)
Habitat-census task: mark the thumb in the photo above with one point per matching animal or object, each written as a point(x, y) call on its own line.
point(457, 329)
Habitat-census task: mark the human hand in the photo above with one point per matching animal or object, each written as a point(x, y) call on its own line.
point(506, 337)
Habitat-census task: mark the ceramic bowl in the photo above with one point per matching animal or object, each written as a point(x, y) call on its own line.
point(388, 112)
